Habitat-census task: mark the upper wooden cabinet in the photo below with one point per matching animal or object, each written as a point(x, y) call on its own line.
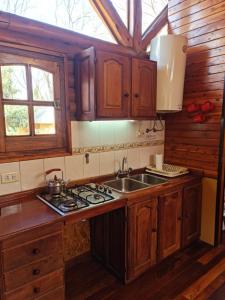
point(143, 88)
point(113, 86)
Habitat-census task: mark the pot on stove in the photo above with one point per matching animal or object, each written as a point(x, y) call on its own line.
point(55, 185)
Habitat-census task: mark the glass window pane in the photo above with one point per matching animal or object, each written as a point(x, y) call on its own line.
point(75, 15)
point(42, 85)
point(150, 10)
point(14, 82)
point(44, 120)
point(122, 9)
point(16, 120)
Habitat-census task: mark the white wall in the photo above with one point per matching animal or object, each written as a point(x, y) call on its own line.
point(111, 140)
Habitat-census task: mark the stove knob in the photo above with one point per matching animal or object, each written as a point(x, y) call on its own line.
point(93, 186)
point(109, 191)
point(100, 188)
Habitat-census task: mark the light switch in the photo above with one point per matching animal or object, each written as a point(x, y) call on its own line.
point(9, 177)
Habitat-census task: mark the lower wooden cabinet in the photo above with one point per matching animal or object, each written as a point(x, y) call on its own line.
point(32, 265)
point(192, 202)
point(170, 217)
point(142, 237)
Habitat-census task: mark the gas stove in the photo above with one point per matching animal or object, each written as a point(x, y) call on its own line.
point(76, 198)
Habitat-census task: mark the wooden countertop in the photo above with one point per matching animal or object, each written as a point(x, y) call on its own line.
point(30, 212)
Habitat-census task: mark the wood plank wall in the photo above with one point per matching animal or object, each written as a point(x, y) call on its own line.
point(203, 23)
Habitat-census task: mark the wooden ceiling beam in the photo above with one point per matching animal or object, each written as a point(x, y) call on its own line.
point(154, 28)
point(111, 18)
point(135, 23)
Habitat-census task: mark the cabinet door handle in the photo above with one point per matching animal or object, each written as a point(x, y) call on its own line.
point(179, 218)
point(154, 230)
point(36, 251)
point(36, 290)
point(136, 95)
point(126, 95)
point(36, 271)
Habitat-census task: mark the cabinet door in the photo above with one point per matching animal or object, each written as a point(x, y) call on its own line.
point(191, 214)
point(170, 216)
point(142, 237)
point(113, 85)
point(85, 84)
point(143, 88)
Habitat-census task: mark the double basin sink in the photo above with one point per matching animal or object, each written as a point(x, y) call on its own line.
point(134, 183)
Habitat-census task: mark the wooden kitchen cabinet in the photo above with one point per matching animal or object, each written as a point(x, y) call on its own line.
point(32, 264)
point(170, 217)
point(143, 88)
point(113, 86)
point(192, 196)
point(142, 237)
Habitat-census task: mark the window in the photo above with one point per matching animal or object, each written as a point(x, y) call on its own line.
point(32, 104)
point(75, 15)
point(122, 9)
point(150, 10)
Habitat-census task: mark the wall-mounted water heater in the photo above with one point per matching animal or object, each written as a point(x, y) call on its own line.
point(170, 53)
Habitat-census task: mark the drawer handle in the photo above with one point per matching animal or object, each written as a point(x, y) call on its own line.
point(36, 251)
point(36, 271)
point(36, 290)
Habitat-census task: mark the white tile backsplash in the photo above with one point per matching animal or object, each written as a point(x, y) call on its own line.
point(32, 174)
point(133, 158)
point(14, 186)
point(92, 168)
point(88, 134)
point(74, 167)
point(54, 163)
point(107, 162)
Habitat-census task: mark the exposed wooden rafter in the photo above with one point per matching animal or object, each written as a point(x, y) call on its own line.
point(154, 28)
point(113, 21)
point(135, 23)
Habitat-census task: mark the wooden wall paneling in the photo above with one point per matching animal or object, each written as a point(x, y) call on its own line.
point(188, 143)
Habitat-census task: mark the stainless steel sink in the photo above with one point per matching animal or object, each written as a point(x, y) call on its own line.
point(149, 179)
point(126, 185)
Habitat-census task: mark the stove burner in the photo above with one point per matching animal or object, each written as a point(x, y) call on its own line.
point(69, 203)
point(77, 198)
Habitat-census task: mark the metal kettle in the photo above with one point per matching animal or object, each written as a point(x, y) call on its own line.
point(55, 185)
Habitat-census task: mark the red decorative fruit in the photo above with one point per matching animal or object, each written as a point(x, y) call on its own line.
point(207, 106)
point(193, 107)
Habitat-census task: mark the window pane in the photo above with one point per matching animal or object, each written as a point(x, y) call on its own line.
point(16, 120)
point(75, 15)
point(122, 9)
point(150, 10)
point(14, 82)
point(44, 120)
point(42, 85)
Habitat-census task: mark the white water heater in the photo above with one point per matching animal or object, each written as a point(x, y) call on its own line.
point(170, 53)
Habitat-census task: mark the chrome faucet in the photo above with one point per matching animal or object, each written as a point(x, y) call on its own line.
point(124, 171)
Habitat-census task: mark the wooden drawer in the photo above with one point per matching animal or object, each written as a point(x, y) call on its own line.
point(38, 287)
point(33, 234)
point(30, 252)
point(58, 294)
point(21, 276)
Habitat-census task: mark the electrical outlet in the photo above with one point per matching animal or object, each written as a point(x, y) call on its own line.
point(9, 177)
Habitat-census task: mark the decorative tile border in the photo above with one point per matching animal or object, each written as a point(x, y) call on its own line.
point(115, 147)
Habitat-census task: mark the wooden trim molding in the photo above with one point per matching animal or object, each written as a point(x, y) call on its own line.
point(154, 28)
point(109, 15)
point(220, 179)
point(135, 23)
